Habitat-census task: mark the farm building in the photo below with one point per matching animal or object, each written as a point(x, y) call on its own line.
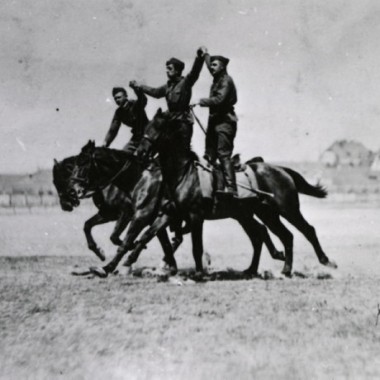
point(347, 153)
point(375, 166)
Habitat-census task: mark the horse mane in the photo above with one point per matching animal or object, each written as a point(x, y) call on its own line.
point(64, 168)
point(255, 160)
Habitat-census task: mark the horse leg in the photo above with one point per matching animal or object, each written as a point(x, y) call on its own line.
point(168, 249)
point(121, 225)
point(197, 240)
point(273, 251)
point(157, 228)
point(138, 223)
point(273, 222)
point(254, 230)
point(88, 225)
point(298, 221)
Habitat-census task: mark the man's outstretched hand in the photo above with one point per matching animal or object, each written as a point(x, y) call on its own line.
point(202, 51)
point(133, 84)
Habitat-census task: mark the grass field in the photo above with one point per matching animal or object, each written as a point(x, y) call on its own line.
point(57, 326)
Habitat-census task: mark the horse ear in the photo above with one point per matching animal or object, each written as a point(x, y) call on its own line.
point(55, 162)
point(87, 146)
point(159, 112)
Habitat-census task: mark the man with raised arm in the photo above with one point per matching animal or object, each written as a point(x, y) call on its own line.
point(222, 122)
point(130, 113)
point(177, 91)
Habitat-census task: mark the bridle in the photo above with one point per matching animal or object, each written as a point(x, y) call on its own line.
point(95, 170)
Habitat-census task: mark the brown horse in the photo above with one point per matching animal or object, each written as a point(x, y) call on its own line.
point(112, 204)
point(180, 175)
point(97, 167)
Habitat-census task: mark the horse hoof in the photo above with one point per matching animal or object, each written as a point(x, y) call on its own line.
point(250, 274)
point(198, 276)
point(287, 271)
point(100, 253)
point(98, 271)
point(170, 268)
point(331, 264)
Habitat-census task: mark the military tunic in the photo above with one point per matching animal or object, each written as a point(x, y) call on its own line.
point(222, 122)
point(178, 93)
point(132, 114)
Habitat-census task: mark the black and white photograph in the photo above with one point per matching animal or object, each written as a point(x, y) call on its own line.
point(189, 190)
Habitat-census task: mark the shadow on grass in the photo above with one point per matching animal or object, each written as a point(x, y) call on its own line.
point(189, 276)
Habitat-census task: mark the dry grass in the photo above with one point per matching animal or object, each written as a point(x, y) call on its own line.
point(54, 325)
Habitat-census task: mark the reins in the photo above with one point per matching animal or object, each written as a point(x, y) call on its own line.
point(96, 167)
point(197, 120)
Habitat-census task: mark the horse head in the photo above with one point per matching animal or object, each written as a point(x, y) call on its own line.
point(62, 172)
point(98, 167)
point(83, 176)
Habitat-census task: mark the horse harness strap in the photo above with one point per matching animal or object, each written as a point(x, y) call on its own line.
point(197, 120)
point(125, 166)
point(251, 188)
point(146, 137)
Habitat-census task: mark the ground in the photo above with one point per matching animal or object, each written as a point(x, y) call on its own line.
point(320, 324)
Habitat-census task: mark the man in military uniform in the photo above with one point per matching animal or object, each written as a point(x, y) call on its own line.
point(130, 113)
point(177, 91)
point(222, 123)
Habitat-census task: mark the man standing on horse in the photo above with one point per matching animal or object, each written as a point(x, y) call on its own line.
point(177, 92)
point(130, 113)
point(222, 122)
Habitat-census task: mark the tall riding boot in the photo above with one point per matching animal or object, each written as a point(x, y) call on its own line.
point(229, 177)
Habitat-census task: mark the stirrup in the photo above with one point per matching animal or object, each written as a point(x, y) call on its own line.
point(229, 194)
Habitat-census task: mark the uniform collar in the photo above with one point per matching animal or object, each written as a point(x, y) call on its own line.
point(174, 80)
point(220, 75)
point(125, 105)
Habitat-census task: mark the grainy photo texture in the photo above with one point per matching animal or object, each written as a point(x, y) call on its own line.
point(189, 189)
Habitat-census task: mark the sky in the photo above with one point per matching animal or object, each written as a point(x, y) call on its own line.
point(307, 73)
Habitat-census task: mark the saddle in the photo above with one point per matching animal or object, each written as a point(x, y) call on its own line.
point(211, 178)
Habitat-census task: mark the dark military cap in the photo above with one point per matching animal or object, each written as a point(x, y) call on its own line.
point(220, 58)
point(178, 65)
point(115, 90)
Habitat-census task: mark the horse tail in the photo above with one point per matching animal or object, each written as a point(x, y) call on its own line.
point(317, 191)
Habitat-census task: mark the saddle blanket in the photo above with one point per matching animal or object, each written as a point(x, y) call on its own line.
point(245, 181)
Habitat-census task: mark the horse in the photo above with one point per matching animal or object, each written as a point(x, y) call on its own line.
point(97, 167)
point(112, 203)
point(179, 172)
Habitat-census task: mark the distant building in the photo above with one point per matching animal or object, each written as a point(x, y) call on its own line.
point(40, 181)
point(347, 153)
point(375, 166)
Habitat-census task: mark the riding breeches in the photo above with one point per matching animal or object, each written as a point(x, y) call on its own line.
point(220, 140)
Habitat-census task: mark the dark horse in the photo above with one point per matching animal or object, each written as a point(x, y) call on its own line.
point(97, 167)
point(180, 175)
point(113, 203)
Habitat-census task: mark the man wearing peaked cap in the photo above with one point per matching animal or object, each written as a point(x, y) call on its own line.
point(220, 58)
point(177, 91)
point(222, 123)
point(179, 65)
